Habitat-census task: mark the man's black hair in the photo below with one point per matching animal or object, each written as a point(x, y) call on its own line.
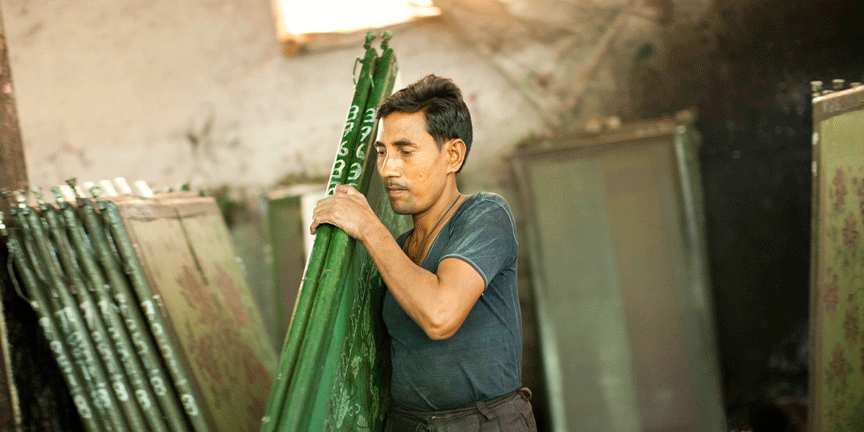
point(440, 100)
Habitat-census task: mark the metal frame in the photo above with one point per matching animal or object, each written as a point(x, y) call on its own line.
point(684, 143)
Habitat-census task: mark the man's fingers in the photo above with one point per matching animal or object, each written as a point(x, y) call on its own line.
point(346, 208)
point(353, 194)
point(315, 223)
point(324, 213)
point(318, 217)
point(347, 189)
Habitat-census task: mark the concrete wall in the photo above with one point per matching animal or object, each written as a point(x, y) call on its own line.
point(114, 88)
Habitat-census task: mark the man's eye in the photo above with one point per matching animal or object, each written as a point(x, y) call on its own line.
point(406, 152)
point(380, 152)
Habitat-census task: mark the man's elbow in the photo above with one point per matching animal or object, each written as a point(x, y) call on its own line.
point(441, 329)
point(439, 334)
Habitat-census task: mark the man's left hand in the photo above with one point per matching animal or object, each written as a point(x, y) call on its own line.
point(348, 209)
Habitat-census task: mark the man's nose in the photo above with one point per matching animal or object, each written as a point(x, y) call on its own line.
point(388, 167)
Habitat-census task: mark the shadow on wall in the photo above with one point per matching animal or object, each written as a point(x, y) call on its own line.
point(746, 67)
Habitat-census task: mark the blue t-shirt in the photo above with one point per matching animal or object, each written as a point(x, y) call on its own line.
point(483, 358)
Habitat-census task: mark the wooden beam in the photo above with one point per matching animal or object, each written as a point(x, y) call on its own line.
point(13, 175)
point(13, 172)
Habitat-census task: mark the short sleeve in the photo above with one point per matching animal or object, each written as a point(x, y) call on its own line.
point(484, 237)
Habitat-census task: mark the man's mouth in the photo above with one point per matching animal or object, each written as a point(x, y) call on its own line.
point(391, 189)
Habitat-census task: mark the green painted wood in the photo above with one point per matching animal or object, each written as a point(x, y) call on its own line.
point(169, 392)
point(338, 381)
point(319, 376)
point(69, 319)
point(153, 309)
point(210, 241)
point(284, 226)
point(350, 396)
point(249, 234)
point(90, 417)
point(837, 267)
point(126, 381)
point(185, 252)
point(617, 252)
point(297, 331)
point(133, 347)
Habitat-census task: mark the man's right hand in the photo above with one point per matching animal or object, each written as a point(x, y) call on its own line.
point(347, 209)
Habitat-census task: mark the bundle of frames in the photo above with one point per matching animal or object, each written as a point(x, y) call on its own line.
point(331, 373)
point(100, 321)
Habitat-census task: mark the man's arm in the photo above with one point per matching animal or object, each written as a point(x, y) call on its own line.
point(437, 302)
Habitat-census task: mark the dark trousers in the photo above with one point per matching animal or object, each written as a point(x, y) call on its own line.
point(510, 412)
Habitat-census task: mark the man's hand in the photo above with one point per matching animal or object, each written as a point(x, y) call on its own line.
point(347, 209)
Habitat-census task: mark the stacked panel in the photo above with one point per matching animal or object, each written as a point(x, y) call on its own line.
point(332, 372)
point(145, 309)
point(619, 273)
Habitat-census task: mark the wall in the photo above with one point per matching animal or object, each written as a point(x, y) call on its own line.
point(116, 90)
point(746, 67)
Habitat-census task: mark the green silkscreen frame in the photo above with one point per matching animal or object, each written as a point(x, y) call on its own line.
point(285, 230)
point(201, 302)
point(588, 390)
point(836, 373)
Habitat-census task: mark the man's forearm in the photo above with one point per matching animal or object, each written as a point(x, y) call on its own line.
point(413, 287)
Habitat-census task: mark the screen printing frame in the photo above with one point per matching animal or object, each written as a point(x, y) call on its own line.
point(835, 117)
point(683, 143)
point(212, 321)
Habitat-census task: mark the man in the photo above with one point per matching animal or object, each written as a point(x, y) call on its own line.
point(451, 306)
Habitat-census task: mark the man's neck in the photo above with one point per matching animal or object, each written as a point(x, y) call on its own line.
point(426, 221)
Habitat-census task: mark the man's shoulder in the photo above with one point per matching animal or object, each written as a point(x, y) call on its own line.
point(485, 200)
point(487, 207)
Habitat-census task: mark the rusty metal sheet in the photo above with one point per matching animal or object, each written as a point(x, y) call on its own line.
point(189, 261)
point(836, 293)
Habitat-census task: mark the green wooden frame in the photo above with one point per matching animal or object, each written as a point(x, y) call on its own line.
point(193, 292)
point(836, 372)
point(333, 367)
point(677, 143)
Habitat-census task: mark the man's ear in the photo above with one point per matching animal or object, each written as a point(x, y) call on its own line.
point(455, 149)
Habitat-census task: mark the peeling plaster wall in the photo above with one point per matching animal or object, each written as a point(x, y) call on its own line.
point(114, 90)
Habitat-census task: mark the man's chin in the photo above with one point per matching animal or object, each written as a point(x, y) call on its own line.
point(400, 207)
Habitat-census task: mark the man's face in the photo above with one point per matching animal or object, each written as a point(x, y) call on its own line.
point(412, 167)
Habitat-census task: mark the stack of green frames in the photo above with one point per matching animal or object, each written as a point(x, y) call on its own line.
point(145, 308)
point(332, 372)
point(70, 262)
